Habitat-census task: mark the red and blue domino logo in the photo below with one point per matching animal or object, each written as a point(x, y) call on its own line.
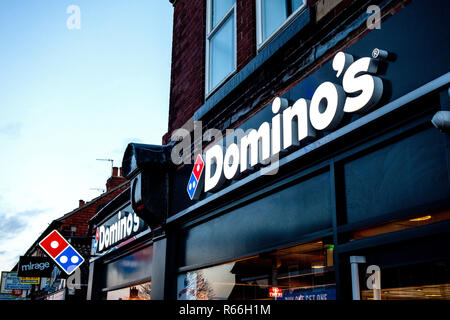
point(193, 188)
point(60, 250)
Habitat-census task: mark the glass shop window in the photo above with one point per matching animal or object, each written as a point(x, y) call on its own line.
point(134, 292)
point(424, 281)
point(220, 42)
point(403, 224)
point(303, 272)
point(273, 15)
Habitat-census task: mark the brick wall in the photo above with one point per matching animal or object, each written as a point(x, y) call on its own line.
point(188, 56)
point(295, 61)
point(79, 217)
point(246, 32)
point(187, 87)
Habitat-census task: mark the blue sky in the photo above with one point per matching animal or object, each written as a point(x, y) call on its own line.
point(68, 97)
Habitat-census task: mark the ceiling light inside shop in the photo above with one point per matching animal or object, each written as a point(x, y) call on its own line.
point(420, 219)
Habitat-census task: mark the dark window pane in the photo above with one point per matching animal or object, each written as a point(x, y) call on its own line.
point(408, 173)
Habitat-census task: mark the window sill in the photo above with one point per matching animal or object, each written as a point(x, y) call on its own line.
point(294, 27)
point(263, 43)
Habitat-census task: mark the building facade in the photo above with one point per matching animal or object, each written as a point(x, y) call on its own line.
point(307, 156)
point(122, 253)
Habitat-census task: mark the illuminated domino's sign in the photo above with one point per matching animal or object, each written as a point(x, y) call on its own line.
point(120, 227)
point(292, 124)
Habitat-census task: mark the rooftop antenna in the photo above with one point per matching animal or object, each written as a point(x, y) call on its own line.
point(98, 189)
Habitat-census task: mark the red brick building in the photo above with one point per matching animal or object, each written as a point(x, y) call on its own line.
point(341, 172)
point(346, 188)
point(187, 90)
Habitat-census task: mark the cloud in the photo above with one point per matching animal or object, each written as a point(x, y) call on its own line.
point(11, 226)
point(11, 129)
point(30, 213)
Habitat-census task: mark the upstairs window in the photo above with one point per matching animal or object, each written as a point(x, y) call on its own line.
point(220, 42)
point(273, 15)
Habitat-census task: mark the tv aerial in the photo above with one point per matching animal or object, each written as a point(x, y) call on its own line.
point(110, 160)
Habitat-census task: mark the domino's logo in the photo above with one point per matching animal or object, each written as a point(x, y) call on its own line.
point(64, 255)
point(97, 234)
point(195, 184)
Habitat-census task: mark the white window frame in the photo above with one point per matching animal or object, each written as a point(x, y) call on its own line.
point(210, 32)
point(260, 43)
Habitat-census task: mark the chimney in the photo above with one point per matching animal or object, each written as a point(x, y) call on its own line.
point(115, 180)
point(82, 203)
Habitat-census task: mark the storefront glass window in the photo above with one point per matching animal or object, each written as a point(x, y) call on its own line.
point(135, 267)
point(425, 281)
point(303, 272)
point(273, 14)
point(413, 222)
point(135, 292)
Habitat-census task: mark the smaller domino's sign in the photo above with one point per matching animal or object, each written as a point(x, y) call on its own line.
point(60, 250)
point(122, 226)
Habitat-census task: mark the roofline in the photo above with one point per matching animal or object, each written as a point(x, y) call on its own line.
point(112, 203)
point(58, 222)
point(87, 204)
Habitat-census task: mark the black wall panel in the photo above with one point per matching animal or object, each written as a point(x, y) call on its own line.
point(408, 173)
point(278, 218)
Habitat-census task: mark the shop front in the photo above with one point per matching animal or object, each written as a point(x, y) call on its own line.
point(122, 253)
point(338, 188)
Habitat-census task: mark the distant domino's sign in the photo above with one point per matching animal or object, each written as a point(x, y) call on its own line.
point(292, 124)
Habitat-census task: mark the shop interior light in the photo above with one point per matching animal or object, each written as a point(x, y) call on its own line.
point(433, 295)
point(420, 219)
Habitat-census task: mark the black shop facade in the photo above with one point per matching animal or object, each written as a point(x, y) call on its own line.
point(121, 253)
point(337, 188)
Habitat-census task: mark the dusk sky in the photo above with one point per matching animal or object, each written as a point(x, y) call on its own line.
point(70, 96)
